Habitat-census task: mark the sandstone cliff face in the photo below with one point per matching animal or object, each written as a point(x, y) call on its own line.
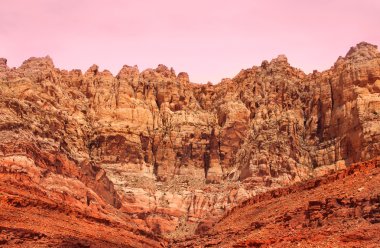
point(170, 153)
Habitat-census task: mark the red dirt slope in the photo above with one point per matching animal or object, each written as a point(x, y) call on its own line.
point(338, 210)
point(37, 211)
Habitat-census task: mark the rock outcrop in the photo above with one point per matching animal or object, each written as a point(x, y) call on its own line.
point(337, 210)
point(173, 156)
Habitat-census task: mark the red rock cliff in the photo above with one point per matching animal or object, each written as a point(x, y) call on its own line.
point(169, 153)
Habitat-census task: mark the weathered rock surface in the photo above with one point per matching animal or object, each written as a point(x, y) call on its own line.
point(337, 210)
point(173, 156)
point(48, 201)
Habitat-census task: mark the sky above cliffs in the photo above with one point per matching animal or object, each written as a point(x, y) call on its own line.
point(209, 39)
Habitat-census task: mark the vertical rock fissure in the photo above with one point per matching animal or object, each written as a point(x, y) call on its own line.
point(332, 96)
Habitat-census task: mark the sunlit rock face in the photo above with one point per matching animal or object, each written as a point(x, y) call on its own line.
point(171, 154)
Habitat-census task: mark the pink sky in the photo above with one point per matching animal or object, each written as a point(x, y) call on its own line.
point(209, 39)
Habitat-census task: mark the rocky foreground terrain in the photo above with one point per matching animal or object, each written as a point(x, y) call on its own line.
point(150, 159)
point(337, 210)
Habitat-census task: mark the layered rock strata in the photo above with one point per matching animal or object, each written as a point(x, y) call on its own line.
point(170, 154)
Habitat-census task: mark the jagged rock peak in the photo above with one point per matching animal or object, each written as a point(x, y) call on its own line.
point(183, 77)
point(264, 64)
point(363, 50)
point(107, 73)
point(38, 62)
point(127, 70)
point(3, 62)
point(281, 59)
point(163, 69)
point(93, 70)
